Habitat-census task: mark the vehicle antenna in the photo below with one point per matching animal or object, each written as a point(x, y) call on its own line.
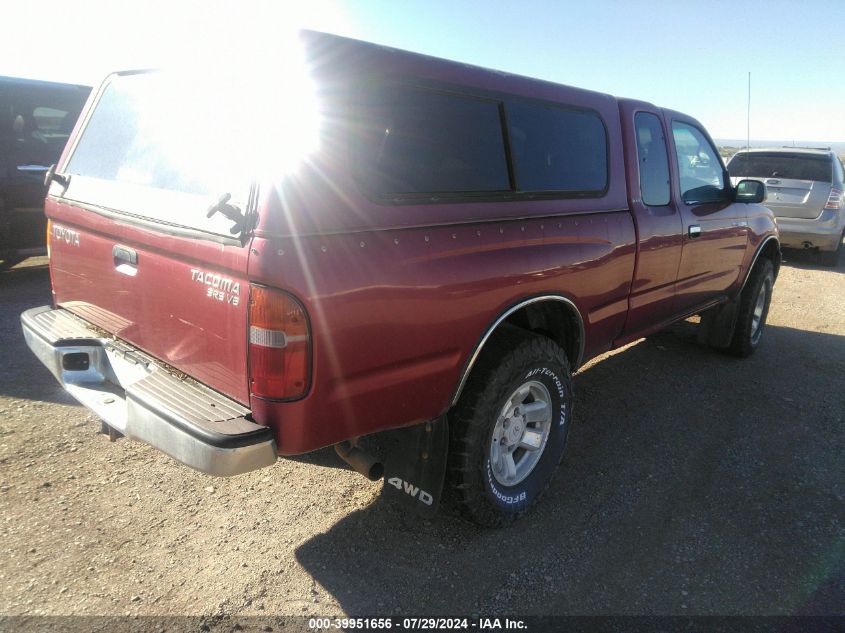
point(748, 129)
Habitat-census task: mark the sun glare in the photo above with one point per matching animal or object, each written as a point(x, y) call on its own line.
point(234, 106)
point(238, 119)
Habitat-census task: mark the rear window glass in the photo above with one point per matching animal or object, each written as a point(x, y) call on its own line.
point(781, 165)
point(416, 141)
point(146, 131)
point(556, 149)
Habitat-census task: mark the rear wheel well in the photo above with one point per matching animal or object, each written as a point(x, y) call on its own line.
point(553, 317)
point(555, 320)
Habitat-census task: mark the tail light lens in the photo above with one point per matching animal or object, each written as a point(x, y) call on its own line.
point(834, 200)
point(50, 260)
point(279, 345)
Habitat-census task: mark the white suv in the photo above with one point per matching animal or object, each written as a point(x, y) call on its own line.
point(804, 189)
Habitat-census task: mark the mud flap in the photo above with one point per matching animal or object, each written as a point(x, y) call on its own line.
point(415, 465)
point(717, 325)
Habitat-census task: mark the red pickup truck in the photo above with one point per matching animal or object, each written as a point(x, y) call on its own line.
point(392, 244)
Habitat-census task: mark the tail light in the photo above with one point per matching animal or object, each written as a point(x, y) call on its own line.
point(834, 200)
point(50, 261)
point(279, 345)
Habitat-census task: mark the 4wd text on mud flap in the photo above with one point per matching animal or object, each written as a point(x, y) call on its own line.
point(411, 489)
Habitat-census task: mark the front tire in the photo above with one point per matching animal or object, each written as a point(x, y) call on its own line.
point(509, 429)
point(753, 310)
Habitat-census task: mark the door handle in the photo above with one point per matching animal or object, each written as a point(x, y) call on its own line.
point(694, 231)
point(125, 259)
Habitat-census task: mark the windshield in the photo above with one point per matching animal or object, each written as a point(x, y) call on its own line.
point(781, 165)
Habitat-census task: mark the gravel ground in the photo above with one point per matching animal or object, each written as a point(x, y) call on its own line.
point(694, 484)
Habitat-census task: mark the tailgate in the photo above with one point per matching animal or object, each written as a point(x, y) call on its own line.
point(789, 198)
point(139, 247)
point(183, 301)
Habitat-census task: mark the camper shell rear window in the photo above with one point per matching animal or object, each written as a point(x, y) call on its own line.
point(152, 149)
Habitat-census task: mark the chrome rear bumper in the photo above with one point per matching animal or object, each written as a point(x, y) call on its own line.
point(139, 397)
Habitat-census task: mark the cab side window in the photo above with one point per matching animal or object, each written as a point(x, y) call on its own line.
point(699, 167)
point(653, 160)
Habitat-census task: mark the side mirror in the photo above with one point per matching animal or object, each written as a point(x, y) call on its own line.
point(750, 191)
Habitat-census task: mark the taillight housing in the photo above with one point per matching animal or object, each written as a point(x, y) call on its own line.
point(279, 345)
point(50, 260)
point(834, 200)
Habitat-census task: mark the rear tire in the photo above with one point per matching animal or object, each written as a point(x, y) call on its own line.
point(508, 431)
point(831, 258)
point(753, 310)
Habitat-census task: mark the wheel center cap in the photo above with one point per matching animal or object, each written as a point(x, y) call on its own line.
point(515, 431)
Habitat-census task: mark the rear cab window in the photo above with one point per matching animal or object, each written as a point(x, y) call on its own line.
point(653, 160)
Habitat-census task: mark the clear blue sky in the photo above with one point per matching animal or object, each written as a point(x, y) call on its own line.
point(692, 56)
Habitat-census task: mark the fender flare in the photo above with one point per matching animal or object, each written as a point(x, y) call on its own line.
point(759, 250)
point(501, 318)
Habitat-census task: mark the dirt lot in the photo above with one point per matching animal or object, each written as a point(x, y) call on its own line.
point(694, 483)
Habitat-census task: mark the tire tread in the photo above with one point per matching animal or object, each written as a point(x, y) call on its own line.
point(463, 475)
point(741, 344)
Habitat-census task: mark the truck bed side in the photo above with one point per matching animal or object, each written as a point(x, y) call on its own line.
point(396, 314)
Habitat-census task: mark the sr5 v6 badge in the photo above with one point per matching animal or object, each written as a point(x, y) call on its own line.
point(218, 287)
